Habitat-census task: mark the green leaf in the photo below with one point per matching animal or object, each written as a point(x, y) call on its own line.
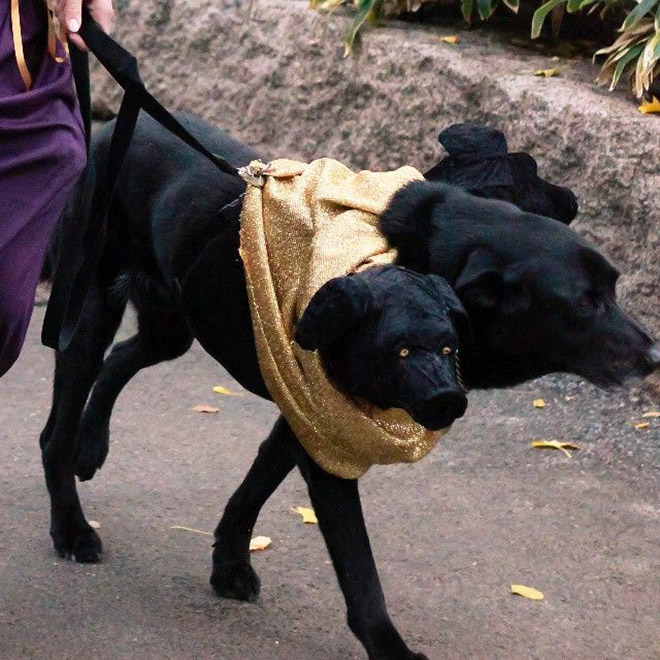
point(636, 15)
point(365, 8)
point(540, 15)
point(466, 9)
point(623, 63)
point(586, 3)
point(486, 8)
point(513, 5)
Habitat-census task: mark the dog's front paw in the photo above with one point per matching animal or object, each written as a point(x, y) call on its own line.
point(92, 446)
point(236, 580)
point(80, 543)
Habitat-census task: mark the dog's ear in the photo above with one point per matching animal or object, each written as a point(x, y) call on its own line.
point(333, 310)
point(457, 312)
point(483, 285)
point(473, 139)
point(406, 222)
point(525, 162)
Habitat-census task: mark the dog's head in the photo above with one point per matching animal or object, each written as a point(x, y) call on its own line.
point(391, 336)
point(540, 298)
point(480, 163)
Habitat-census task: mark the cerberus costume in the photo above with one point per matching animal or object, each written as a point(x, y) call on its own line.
point(302, 225)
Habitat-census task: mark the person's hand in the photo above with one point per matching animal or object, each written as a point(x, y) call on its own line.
point(69, 13)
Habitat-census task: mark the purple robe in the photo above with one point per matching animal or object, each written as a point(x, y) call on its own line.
point(42, 152)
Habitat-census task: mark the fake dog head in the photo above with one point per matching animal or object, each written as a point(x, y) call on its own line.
point(540, 298)
point(391, 336)
point(480, 163)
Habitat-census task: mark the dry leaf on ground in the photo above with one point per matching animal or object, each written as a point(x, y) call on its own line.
point(651, 413)
point(555, 444)
point(308, 515)
point(538, 403)
point(202, 408)
point(191, 529)
point(260, 543)
point(548, 73)
point(450, 39)
point(219, 389)
point(641, 426)
point(526, 592)
point(649, 107)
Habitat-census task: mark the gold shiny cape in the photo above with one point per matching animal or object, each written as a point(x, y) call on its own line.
point(307, 224)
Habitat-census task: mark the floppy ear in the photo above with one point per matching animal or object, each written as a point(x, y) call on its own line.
point(473, 139)
point(333, 310)
point(480, 281)
point(457, 312)
point(482, 284)
point(406, 221)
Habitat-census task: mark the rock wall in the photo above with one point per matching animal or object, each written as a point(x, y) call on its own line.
point(271, 72)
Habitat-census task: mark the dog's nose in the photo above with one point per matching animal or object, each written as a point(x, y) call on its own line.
point(654, 356)
point(441, 409)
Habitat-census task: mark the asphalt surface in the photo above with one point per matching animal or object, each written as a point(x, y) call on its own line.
point(450, 534)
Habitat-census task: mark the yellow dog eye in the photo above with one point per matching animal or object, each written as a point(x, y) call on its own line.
point(404, 352)
point(446, 350)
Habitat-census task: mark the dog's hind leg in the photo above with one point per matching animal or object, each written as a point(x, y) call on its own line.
point(233, 576)
point(163, 334)
point(337, 505)
point(76, 369)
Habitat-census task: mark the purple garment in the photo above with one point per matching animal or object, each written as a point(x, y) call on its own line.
point(42, 152)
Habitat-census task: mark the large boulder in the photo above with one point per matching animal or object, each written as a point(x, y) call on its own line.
point(272, 73)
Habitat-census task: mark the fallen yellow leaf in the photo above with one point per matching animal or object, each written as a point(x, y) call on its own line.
point(191, 529)
point(202, 408)
point(548, 73)
point(651, 413)
point(94, 525)
point(450, 39)
point(526, 592)
point(649, 107)
point(218, 389)
point(642, 425)
point(308, 515)
point(260, 543)
point(538, 403)
point(555, 444)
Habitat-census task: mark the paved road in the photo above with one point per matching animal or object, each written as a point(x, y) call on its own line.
point(450, 534)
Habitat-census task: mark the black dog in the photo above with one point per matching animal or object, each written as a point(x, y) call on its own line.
point(541, 298)
point(480, 163)
point(167, 207)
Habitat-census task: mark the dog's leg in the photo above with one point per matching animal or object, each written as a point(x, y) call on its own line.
point(163, 335)
point(233, 576)
point(75, 372)
point(337, 506)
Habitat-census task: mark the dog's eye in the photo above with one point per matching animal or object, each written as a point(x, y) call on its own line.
point(585, 303)
point(404, 352)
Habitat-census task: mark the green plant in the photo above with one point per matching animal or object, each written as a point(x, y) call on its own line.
point(635, 52)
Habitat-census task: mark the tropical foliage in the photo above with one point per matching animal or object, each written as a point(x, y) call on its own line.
point(635, 54)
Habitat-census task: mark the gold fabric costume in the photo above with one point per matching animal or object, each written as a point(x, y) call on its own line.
point(302, 225)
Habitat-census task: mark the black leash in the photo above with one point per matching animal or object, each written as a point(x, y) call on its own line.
point(82, 246)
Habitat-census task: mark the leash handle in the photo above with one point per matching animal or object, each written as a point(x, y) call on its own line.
point(82, 242)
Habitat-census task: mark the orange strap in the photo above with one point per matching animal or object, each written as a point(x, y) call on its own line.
point(53, 38)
